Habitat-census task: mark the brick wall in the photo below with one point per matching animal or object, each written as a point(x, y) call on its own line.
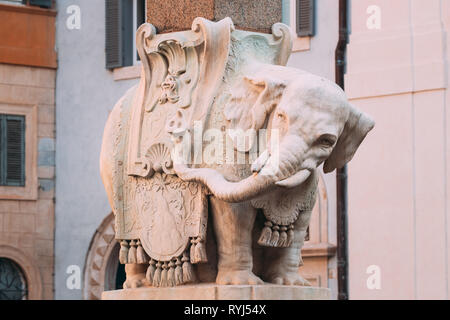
point(28, 225)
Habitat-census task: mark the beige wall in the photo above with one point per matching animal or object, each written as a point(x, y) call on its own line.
point(398, 181)
point(27, 220)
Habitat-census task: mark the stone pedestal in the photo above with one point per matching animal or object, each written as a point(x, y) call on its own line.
point(218, 292)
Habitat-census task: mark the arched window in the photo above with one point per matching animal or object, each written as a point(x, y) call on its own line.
point(13, 285)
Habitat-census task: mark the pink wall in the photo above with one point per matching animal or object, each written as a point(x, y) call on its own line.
point(399, 184)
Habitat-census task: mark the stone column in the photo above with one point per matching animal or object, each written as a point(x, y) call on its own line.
point(177, 15)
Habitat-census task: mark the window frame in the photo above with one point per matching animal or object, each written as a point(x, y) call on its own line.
point(121, 20)
point(4, 117)
point(29, 191)
point(302, 43)
point(136, 60)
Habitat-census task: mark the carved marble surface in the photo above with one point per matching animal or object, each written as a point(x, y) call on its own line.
point(219, 129)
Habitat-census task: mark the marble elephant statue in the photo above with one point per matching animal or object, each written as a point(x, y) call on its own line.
point(316, 125)
point(256, 214)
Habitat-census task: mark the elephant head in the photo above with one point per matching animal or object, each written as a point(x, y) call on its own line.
point(314, 121)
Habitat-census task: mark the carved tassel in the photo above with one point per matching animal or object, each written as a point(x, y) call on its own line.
point(141, 256)
point(192, 252)
point(150, 271)
point(266, 234)
point(132, 252)
point(275, 236)
point(157, 275)
point(290, 235)
point(178, 273)
point(282, 242)
point(123, 253)
point(171, 274)
point(163, 282)
point(200, 252)
point(188, 271)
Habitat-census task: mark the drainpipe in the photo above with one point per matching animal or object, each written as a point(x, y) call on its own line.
point(341, 174)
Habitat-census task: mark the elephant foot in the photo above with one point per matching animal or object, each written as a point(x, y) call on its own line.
point(135, 276)
point(289, 279)
point(241, 277)
point(135, 281)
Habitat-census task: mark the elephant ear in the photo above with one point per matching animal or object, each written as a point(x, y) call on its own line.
point(355, 130)
point(252, 102)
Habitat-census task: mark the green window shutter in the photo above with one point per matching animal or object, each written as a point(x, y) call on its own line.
point(41, 3)
point(305, 10)
point(12, 150)
point(113, 36)
point(119, 31)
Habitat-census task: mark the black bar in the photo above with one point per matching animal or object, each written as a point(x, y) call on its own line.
point(341, 174)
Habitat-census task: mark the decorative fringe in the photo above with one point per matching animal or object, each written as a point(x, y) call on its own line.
point(123, 253)
point(178, 273)
point(141, 256)
point(283, 237)
point(198, 251)
point(163, 282)
point(192, 251)
point(171, 274)
point(274, 235)
point(150, 271)
point(157, 275)
point(188, 271)
point(132, 253)
point(266, 234)
point(290, 235)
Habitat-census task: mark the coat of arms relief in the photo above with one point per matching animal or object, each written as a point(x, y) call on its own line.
point(216, 152)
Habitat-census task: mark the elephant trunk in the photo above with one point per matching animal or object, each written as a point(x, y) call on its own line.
point(223, 189)
point(276, 169)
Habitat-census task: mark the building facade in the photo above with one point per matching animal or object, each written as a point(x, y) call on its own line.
point(61, 74)
point(27, 149)
point(398, 182)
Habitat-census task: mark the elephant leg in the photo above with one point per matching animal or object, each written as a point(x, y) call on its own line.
point(233, 225)
point(258, 251)
point(135, 275)
point(283, 263)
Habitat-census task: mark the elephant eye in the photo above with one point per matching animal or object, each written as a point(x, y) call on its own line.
point(281, 116)
point(326, 140)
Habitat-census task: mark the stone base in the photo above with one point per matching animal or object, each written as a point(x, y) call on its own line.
point(218, 292)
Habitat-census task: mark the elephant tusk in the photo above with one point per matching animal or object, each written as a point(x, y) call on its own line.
point(260, 161)
point(295, 179)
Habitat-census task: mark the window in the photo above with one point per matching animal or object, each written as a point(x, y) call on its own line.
point(12, 1)
point(13, 285)
point(12, 150)
point(122, 19)
point(39, 3)
point(305, 17)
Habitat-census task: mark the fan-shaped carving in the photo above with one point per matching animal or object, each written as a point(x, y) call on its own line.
point(159, 158)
